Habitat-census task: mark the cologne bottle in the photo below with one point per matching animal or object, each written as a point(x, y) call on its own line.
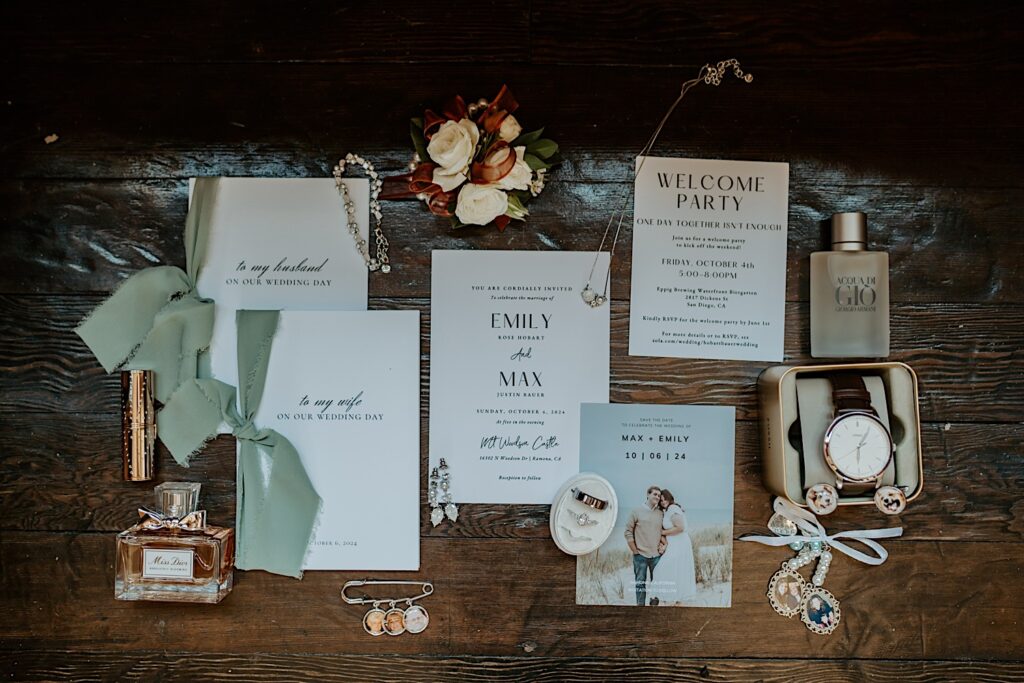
point(849, 294)
point(171, 555)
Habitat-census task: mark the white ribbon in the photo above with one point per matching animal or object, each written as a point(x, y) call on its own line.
point(814, 531)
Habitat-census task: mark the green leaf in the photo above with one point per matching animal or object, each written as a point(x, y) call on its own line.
point(543, 148)
point(418, 141)
point(527, 138)
point(534, 163)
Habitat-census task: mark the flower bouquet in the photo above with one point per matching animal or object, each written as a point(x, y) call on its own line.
point(474, 164)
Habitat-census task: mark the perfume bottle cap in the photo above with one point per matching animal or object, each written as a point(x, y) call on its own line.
point(177, 498)
point(849, 231)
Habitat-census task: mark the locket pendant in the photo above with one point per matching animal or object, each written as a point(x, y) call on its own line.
point(820, 610)
point(786, 591)
point(373, 621)
point(394, 621)
point(416, 619)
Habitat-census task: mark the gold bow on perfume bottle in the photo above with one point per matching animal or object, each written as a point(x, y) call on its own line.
point(152, 520)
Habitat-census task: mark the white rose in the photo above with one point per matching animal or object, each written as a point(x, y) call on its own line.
point(452, 148)
point(480, 204)
point(510, 129)
point(521, 174)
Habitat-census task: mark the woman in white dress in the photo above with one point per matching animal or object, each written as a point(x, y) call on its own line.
point(675, 577)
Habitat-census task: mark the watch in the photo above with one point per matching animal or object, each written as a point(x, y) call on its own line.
point(858, 447)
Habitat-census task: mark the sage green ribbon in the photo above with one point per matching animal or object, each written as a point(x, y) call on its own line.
point(156, 320)
point(277, 504)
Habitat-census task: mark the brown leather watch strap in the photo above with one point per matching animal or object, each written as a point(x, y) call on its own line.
point(849, 393)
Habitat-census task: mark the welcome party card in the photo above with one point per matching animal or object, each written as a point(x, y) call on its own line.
point(709, 259)
point(344, 388)
point(514, 351)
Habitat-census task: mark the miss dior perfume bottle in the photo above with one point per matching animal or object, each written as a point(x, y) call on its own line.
point(849, 294)
point(171, 555)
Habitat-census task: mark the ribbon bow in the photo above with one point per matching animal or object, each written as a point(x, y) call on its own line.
point(814, 531)
point(193, 521)
point(277, 505)
point(155, 320)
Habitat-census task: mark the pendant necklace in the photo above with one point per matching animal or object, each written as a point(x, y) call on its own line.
point(380, 261)
point(789, 593)
point(709, 75)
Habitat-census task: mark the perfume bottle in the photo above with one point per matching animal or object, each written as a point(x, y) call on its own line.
point(172, 555)
point(849, 294)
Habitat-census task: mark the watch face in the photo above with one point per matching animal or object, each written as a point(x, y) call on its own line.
point(858, 446)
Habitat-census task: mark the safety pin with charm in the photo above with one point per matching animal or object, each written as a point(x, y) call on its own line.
point(395, 621)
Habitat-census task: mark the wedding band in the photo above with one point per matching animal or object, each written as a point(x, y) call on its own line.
point(589, 500)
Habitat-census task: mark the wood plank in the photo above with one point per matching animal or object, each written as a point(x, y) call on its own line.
point(945, 245)
point(504, 597)
point(870, 35)
point(968, 368)
point(404, 31)
point(171, 667)
point(916, 36)
point(178, 120)
point(62, 473)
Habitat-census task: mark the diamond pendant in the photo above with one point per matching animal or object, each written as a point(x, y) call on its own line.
point(589, 295)
point(436, 515)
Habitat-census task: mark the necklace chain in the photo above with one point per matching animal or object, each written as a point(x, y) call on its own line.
point(708, 74)
point(381, 261)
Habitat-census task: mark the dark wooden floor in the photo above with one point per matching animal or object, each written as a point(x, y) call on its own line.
point(911, 111)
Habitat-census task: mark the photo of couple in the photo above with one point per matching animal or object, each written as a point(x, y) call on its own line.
point(672, 541)
point(663, 566)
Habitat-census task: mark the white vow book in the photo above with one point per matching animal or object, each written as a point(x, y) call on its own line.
point(514, 350)
point(344, 388)
point(280, 244)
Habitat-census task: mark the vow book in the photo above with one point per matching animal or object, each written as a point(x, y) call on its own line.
point(279, 244)
point(343, 387)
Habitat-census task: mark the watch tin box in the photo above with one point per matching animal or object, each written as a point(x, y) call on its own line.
point(782, 462)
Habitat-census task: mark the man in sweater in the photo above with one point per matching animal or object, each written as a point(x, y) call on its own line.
point(643, 535)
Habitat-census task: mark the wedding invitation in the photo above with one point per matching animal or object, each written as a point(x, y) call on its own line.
point(343, 387)
point(280, 244)
point(709, 259)
point(514, 350)
point(672, 469)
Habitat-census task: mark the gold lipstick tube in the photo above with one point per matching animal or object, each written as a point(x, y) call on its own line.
point(138, 425)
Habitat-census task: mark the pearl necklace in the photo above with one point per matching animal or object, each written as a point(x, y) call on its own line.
point(710, 75)
point(381, 262)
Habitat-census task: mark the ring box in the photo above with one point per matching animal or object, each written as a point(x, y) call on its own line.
point(780, 427)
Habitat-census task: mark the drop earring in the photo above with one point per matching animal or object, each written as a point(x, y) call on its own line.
point(439, 495)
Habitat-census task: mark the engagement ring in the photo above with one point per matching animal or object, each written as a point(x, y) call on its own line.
point(583, 519)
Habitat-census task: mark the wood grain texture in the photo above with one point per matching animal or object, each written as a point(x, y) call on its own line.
point(869, 35)
point(504, 597)
point(908, 111)
point(169, 120)
point(402, 32)
point(916, 35)
point(970, 368)
point(943, 246)
point(66, 477)
point(170, 667)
